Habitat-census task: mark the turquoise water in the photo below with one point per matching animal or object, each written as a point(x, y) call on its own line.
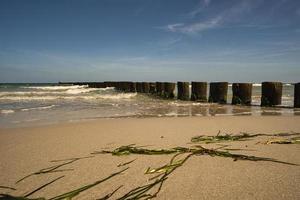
point(32, 104)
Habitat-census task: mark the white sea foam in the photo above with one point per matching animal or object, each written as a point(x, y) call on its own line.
point(170, 114)
point(87, 97)
point(80, 90)
point(257, 84)
point(56, 87)
point(38, 108)
point(107, 88)
point(118, 96)
point(7, 111)
point(224, 114)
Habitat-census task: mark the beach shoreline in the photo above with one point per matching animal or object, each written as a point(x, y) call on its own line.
point(26, 150)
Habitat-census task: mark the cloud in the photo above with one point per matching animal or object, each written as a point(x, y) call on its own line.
point(232, 15)
point(194, 28)
point(202, 5)
point(173, 27)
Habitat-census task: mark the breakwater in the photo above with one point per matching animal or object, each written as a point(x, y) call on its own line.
point(271, 92)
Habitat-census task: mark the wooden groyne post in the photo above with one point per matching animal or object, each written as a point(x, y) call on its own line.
point(146, 87)
point(132, 86)
point(152, 88)
point(218, 92)
point(159, 88)
point(242, 93)
point(110, 84)
point(271, 93)
point(96, 85)
point(297, 95)
point(169, 90)
point(183, 90)
point(199, 91)
point(127, 86)
point(139, 87)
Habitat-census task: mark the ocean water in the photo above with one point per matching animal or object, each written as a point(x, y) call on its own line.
point(38, 104)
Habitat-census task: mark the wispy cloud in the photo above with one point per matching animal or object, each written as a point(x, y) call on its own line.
point(194, 27)
point(199, 8)
point(227, 17)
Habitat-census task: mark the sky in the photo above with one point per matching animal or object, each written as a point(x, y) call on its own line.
point(149, 40)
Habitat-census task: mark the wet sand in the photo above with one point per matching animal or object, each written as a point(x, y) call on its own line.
point(27, 150)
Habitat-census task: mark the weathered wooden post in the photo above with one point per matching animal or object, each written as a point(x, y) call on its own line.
point(199, 91)
point(122, 86)
point(159, 88)
point(271, 93)
point(152, 88)
point(128, 86)
point(110, 84)
point(242, 93)
point(183, 90)
point(132, 86)
point(146, 87)
point(169, 90)
point(139, 87)
point(218, 92)
point(297, 95)
point(116, 85)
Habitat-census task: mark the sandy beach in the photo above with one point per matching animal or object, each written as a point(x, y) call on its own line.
point(27, 150)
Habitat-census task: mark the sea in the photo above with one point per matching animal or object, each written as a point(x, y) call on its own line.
point(30, 104)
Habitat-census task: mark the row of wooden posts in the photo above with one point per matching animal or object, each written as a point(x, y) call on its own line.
point(271, 92)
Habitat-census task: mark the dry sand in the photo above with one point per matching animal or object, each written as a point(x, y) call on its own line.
point(26, 150)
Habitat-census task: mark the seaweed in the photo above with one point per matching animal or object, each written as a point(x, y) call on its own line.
point(243, 136)
point(110, 194)
point(67, 195)
point(141, 191)
point(165, 170)
point(197, 150)
point(10, 197)
point(73, 193)
point(7, 187)
point(53, 169)
point(25, 197)
point(43, 186)
point(126, 163)
point(223, 138)
point(131, 149)
point(293, 140)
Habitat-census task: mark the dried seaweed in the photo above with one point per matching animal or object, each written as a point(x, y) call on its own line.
point(131, 149)
point(73, 193)
point(293, 140)
point(25, 197)
point(197, 150)
point(110, 194)
point(126, 163)
point(43, 186)
point(223, 138)
point(10, 197)
point(53, 169)
point(141, 191)
point(7, 187)
point(243, 136)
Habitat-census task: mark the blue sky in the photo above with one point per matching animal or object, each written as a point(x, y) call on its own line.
point(171, 40)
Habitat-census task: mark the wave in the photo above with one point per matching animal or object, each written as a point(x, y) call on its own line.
point(59, 92)
point(118, 96)
point(80, 90)
point(56, 87)
point(98, 96)
point(7, 111)
point(38, 108)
